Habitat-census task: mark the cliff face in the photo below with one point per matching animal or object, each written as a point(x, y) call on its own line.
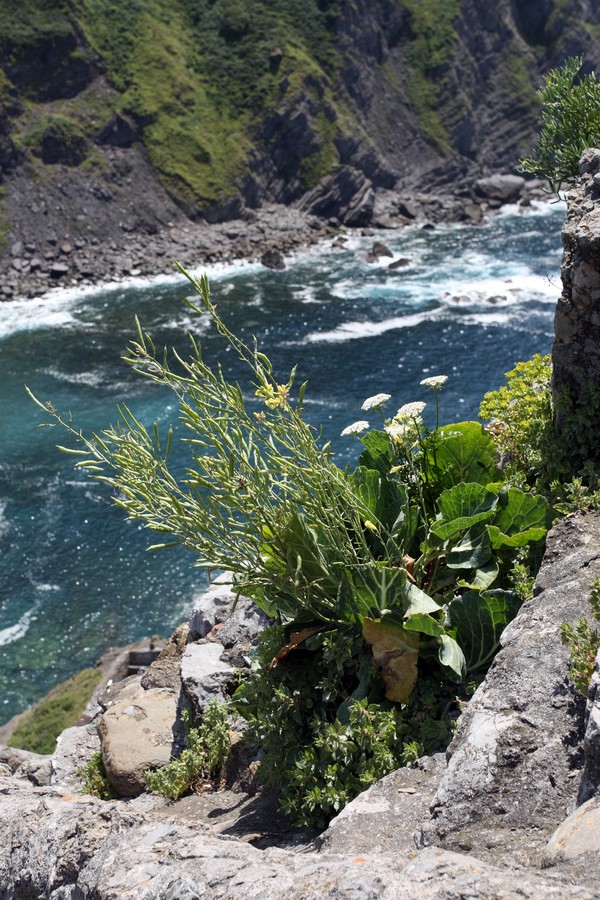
point(217, 105)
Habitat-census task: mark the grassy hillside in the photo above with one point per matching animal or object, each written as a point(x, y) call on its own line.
point(259, 96)
point(196, 77)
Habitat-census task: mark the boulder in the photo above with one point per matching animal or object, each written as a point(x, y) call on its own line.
point(577, 835)
point(378, 250)
point(137, 733)
point(242, 619)
point(273, 259)
point(504, 188)
point(204, 675)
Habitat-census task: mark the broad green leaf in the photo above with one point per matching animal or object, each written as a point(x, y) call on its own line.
point(451, 656)
point(462, 452)
point(472, 551)
point(404, 526)
point(366, 484)
point(424, 624)
point(395, 652)
point(418, 602)
point(521, 539)
point(463, 506)
point(378, 453)
point(482, 577)
point(376, 588)
point(520, 519)
point(479, 618)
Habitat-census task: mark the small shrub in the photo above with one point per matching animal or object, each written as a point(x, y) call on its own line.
point(583, 641)
point(570, 122)
point(95, 780)
point(520, 417)
point(201, 761)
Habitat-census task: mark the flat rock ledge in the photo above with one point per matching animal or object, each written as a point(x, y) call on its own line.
point(512, 810)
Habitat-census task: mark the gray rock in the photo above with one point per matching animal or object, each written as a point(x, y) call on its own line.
point(136, 734)
point(576, 347)
point(438, 873)
point(505, 188)
point(58, 270)
point(590, 781)
point(164, 672)
point(577, 835)
point(204, 675)
point(74, 747)
point(242, 620)
point(378, 250)
point(386, 816)
point(513, 766)
point(273, 259)
point(346, 195)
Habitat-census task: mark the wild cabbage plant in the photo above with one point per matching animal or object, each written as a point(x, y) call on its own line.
point(411, 550)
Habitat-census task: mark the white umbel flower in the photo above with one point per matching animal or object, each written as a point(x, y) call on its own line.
point(435, 381)
point(410, 410)
point(375, 401)
point(398, 430)
point(355, 428)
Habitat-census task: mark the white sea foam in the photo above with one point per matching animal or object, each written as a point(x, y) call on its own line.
point(349, 331)
point(30, 315)
point(15, 632)
point(4, 523)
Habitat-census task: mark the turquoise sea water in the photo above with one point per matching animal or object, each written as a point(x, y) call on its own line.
point(74, 576)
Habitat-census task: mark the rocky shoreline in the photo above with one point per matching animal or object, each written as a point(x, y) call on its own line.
point(39, 258)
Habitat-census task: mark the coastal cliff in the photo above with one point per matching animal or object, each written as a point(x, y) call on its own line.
point(121, 119)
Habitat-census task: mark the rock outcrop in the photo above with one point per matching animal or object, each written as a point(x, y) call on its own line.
point(576, 348)
point(513, 775)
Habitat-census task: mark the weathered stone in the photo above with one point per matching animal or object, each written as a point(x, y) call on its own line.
point(377, 250)
point(386, 816)
point(346, 195)
point(204, 675)
point(513, 765)
point(73, 748)
point(273, 259)
point(576, 348)
point(578, 834)
point(58, 270)
point(505, 188)
point(242, 620)
point(590, 780)
point(401, 263)
point(137, 734)
point(164, 672)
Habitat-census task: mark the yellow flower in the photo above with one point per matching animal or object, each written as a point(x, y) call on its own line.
point(273, 397)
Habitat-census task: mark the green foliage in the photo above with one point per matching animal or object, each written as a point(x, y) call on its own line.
point(584, 642)
point(60, 709)
point(520, 416)
point(31, 24)
point(325, 729)
point(95, 781)
point(206, 750)
point(432, 39)
point(570, 122)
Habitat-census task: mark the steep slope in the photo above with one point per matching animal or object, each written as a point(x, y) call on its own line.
point(150, 111)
